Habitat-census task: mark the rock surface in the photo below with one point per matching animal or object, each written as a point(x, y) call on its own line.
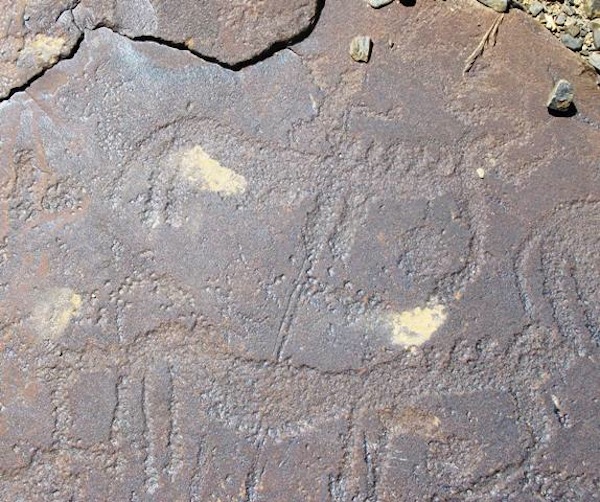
point(34, 35)
point(232, 32)
point(497, 5)
point(591, 8)
point(288, 282)
point(595, 61)
point(595, 26)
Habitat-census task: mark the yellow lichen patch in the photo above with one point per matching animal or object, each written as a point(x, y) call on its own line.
point(415, 327)
point(199, 168)
point(45, 49)
point(53, 312)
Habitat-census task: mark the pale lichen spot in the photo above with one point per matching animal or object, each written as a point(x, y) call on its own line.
point(416, 326)
point(53, 312)
point(411, 421)
point(207, 173)
point(45, 49)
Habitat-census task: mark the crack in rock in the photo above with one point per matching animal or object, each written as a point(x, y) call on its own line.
point(232, 36)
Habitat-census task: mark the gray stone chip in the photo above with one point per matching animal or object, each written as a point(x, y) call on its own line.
point(561, 97)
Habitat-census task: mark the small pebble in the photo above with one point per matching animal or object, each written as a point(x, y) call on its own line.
point(573, 30)
point(481, 173)
point(560, 20)
point(535, 8)
point(575, 44)
point(550, 24)
point(497, 5)
point(360, 48)
point(379, 3)
point(561, 97)
point(595, 60)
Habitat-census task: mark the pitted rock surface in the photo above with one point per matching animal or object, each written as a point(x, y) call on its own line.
point(231, 33)
point(289, 281)
point(34, 35)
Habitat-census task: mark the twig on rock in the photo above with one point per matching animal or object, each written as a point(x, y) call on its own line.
point(488, 39)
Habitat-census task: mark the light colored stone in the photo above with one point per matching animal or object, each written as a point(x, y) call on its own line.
point(595, 60)
point(379, 3)
point(360, 48)
point(497, 5)
point(595, 27)
point(591, 8)
point(535, 8)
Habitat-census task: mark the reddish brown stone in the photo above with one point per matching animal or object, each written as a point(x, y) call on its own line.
point(34, 35)
point(232, 32)
point(204, 272)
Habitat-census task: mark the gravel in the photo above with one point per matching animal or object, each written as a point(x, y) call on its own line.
point(576, 23)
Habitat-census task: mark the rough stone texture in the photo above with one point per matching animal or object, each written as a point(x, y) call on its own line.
point(201, 269)
point(497, 5)
point(231, 32)
point(34, 35)
point(591, 8)
point(595, 61)
point(379, 3)
point(595, 27)
point(561, 97)
point(360, 48)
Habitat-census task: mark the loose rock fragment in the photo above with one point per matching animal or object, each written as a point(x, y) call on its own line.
point(561, 97)
point(591, 8)
point(575, 44)
point(595, 60)
point(535, 8)
point(550, 24)
point(595, 26)
point(360, 48)
point(497, 5)
point(573, 30)
point(481, 172)
point(379, 3)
